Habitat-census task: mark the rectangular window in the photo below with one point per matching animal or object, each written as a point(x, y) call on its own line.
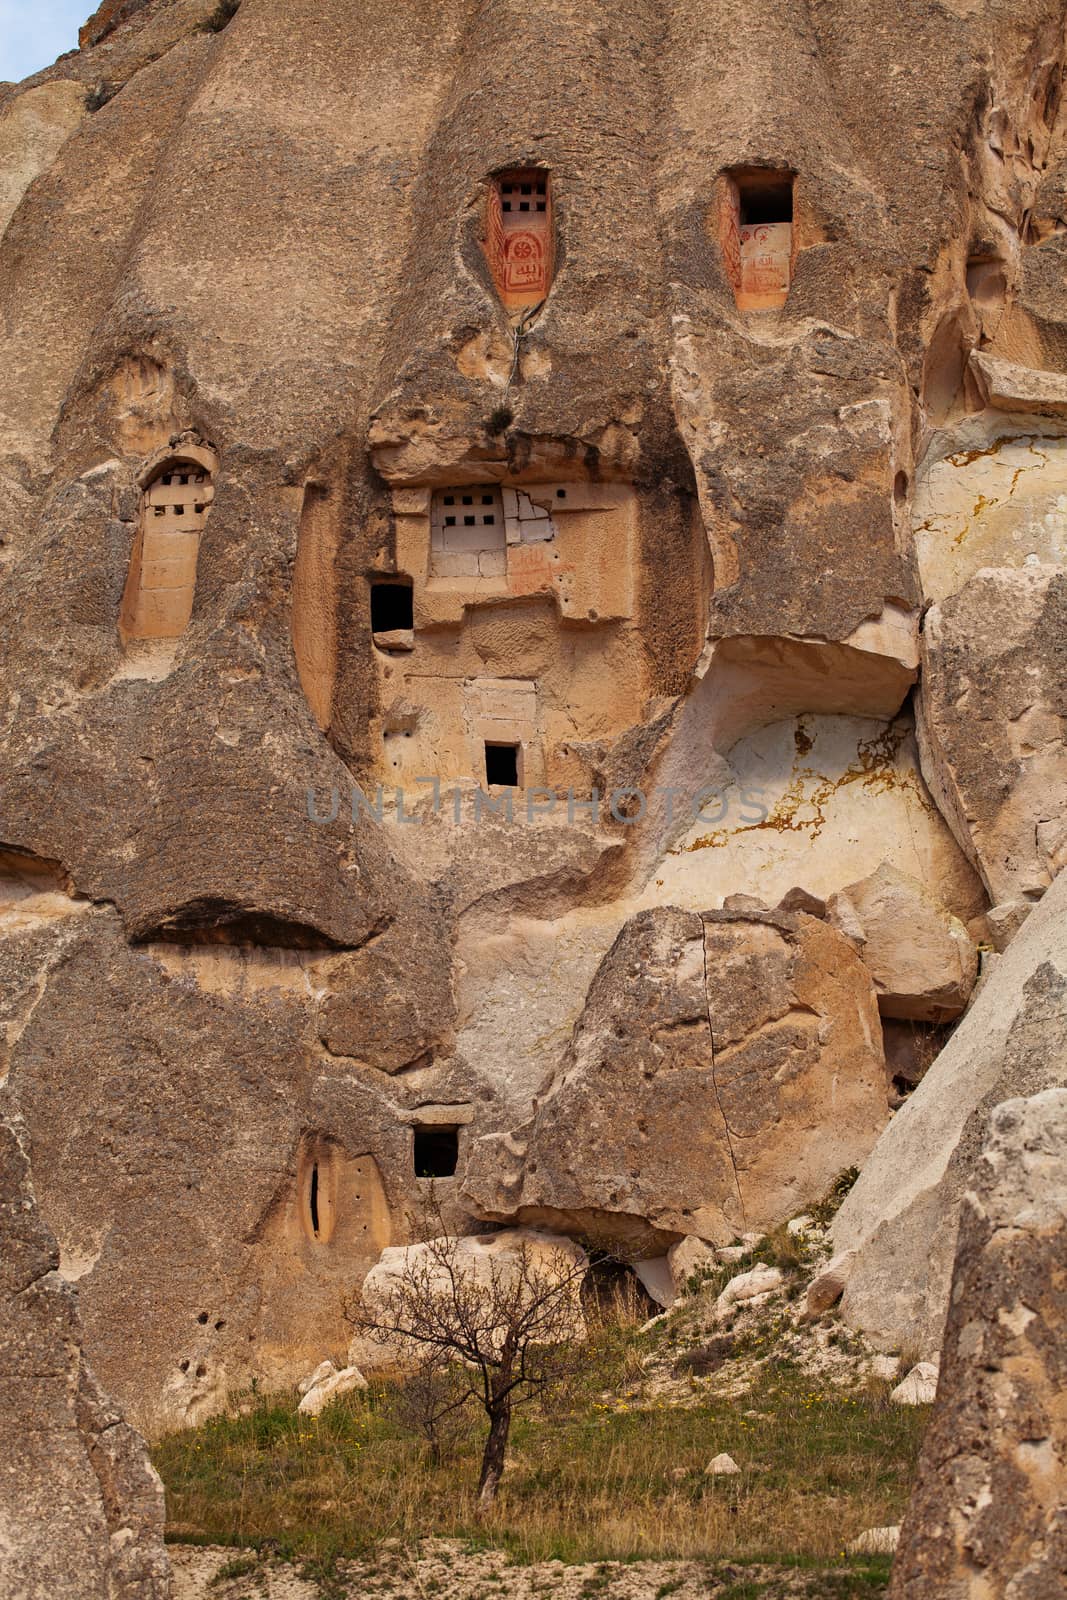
point(391, 607)
point(502, 765)
point(435, 1151)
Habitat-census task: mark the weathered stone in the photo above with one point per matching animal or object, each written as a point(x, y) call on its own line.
point(922, 959)
point(722, 1466)
point(749, 1285)
point(999, 648)
point(876, 1541)
point(81, 1507)
point(330, 1387)
point(987, 1514)
point(919, 1387)
point(657, 1279)
point(900, 1217)
point(828, 1285)
point(725, 1069)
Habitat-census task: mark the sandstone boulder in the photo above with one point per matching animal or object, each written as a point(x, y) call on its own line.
point(726, 1068)
point(329, 1387)
point(923, 961)
point(81, 1507)
point(919, 1387)
point(752, 1285)
point(987, 1515)
point(900, 1217)
point(876, 1541)
point(993, 716)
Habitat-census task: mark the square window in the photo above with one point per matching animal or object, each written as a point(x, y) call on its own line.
point(450, 522)
point(489, 521)
point(540, 205)
point(507, 205)
point(469, 522)
point(435, 1151)
point(487, 499)
point(468, 499)
point(450, 500)
point(561, 494)
point(524, 205)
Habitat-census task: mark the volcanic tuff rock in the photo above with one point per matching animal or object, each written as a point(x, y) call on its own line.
point(306, 483)
point(725, 1069)
point(922, 959)
point(900, 1219)
point(988, 1517)
point(994, 720)
point(81, 1507)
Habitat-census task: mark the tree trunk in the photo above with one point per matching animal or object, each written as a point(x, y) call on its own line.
point(495, 1450)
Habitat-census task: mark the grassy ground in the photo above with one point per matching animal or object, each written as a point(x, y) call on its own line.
point(596, 1481)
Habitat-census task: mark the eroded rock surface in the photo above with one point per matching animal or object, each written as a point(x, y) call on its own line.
point(81, 1507)
point(335, 503)
point(725, 1069)
point(987, 1517)
point(922, 959)
point(991, 732)
point(901, 1217)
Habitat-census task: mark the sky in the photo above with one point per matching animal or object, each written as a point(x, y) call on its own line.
point(34, 32)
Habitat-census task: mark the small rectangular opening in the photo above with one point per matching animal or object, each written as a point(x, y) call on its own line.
point(765, 199)
point(391, 607)
point(502, 765)
point(436, 1151)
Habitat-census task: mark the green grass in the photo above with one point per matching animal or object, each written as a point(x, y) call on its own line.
point(596, 1481)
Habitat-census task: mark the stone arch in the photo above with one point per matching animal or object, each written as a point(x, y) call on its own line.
point(177, 487)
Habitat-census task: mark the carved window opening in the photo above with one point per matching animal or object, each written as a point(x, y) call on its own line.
point(467, 534)
point(313, 1199)
point(502, 765)
point(436, 1151)
point(757, 236)
point(987, 282)
point(520, 236)
point(317, 1188)
point(391, 608)
point(161, 583)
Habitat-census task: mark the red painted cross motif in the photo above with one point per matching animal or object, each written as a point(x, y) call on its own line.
point(524, 262)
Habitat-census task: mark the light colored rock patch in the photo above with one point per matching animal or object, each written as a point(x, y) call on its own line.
point(33, 128)
point(923, 961)
point(991, 493)
point(820, 802)
point(901, 1217)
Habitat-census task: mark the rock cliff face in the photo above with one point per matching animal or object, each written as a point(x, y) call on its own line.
point(81, 1507)
point(987, 1517)
point(405, 407)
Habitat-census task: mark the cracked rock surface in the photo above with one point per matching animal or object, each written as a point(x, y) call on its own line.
point(987, 1517)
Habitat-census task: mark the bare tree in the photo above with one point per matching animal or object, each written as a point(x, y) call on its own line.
point(507, 1325)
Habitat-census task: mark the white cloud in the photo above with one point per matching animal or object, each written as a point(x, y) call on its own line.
point(34, 32)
